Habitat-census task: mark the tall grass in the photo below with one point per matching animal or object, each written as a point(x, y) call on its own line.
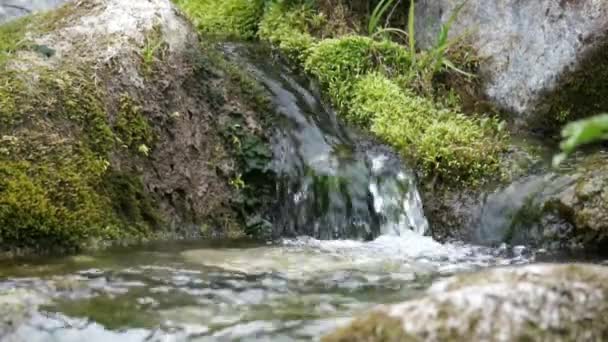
point(427, 63)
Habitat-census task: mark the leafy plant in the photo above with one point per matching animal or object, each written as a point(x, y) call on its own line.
point(580, 133)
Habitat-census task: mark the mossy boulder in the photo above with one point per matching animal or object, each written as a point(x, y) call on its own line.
point(531, 303)
point(118, 139)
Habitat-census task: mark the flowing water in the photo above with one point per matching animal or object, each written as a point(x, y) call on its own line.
point(353, 237)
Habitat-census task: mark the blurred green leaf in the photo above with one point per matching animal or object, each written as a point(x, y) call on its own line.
point(580, 133)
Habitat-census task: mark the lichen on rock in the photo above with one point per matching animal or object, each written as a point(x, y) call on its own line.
point(531, 303)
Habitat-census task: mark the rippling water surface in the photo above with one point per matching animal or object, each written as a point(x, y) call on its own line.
point(296, 290)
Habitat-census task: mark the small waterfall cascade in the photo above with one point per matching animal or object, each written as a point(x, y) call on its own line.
point(334, 182)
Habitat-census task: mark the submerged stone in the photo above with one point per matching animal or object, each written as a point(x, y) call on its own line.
point(531, 303)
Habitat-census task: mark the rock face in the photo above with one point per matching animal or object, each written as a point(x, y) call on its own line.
point(11, 9)
point(131, 124)
point(525, 47)
point(532, 303)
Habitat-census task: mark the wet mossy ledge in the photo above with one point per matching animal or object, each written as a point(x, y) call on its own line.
point(120, 141)
point(373, 83)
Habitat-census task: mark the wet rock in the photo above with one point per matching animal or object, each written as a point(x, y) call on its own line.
point(453, 213)
point(532, 303)
point(526, 48)
point(560, 209)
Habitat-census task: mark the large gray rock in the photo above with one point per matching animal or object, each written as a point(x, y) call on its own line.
point(10, 9)
point(532, 303)
point(525, 46)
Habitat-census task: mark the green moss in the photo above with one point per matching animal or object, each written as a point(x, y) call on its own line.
point(12, 37)
point(236, 18)
point(130, 202)
point(55, 194)
point(52, 204)
point(338, 63)
point(132, 128)
point(287, 27)
point(442, 142)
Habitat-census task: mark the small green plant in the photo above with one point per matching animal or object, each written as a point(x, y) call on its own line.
point(580, 133)
point(132, 129)
point(237, 182)
point(150, 52)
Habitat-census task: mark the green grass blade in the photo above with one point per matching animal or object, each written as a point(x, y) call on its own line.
point(411, 27)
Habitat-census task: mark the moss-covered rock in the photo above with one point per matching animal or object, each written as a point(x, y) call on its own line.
point(363, 76)
point(532, 303)
point(116, 140)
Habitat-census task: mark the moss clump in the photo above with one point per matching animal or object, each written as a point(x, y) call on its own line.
point(357, 73)
point(130, 202)
point(444, 143)
point(338, 63)
point(287, 26)
point(12, 37)
point(236, 18)
point(132, 128)
point(56, 138)
point(53, 203)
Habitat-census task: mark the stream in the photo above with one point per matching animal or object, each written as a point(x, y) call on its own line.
point(350, 234)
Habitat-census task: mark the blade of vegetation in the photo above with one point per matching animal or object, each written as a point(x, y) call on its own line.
point(396, 31)
point(377, 15)
point(412, 31)
point(580, 133)
point(443, 44)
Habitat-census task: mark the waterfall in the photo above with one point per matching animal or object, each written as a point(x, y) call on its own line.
point(335, 183)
